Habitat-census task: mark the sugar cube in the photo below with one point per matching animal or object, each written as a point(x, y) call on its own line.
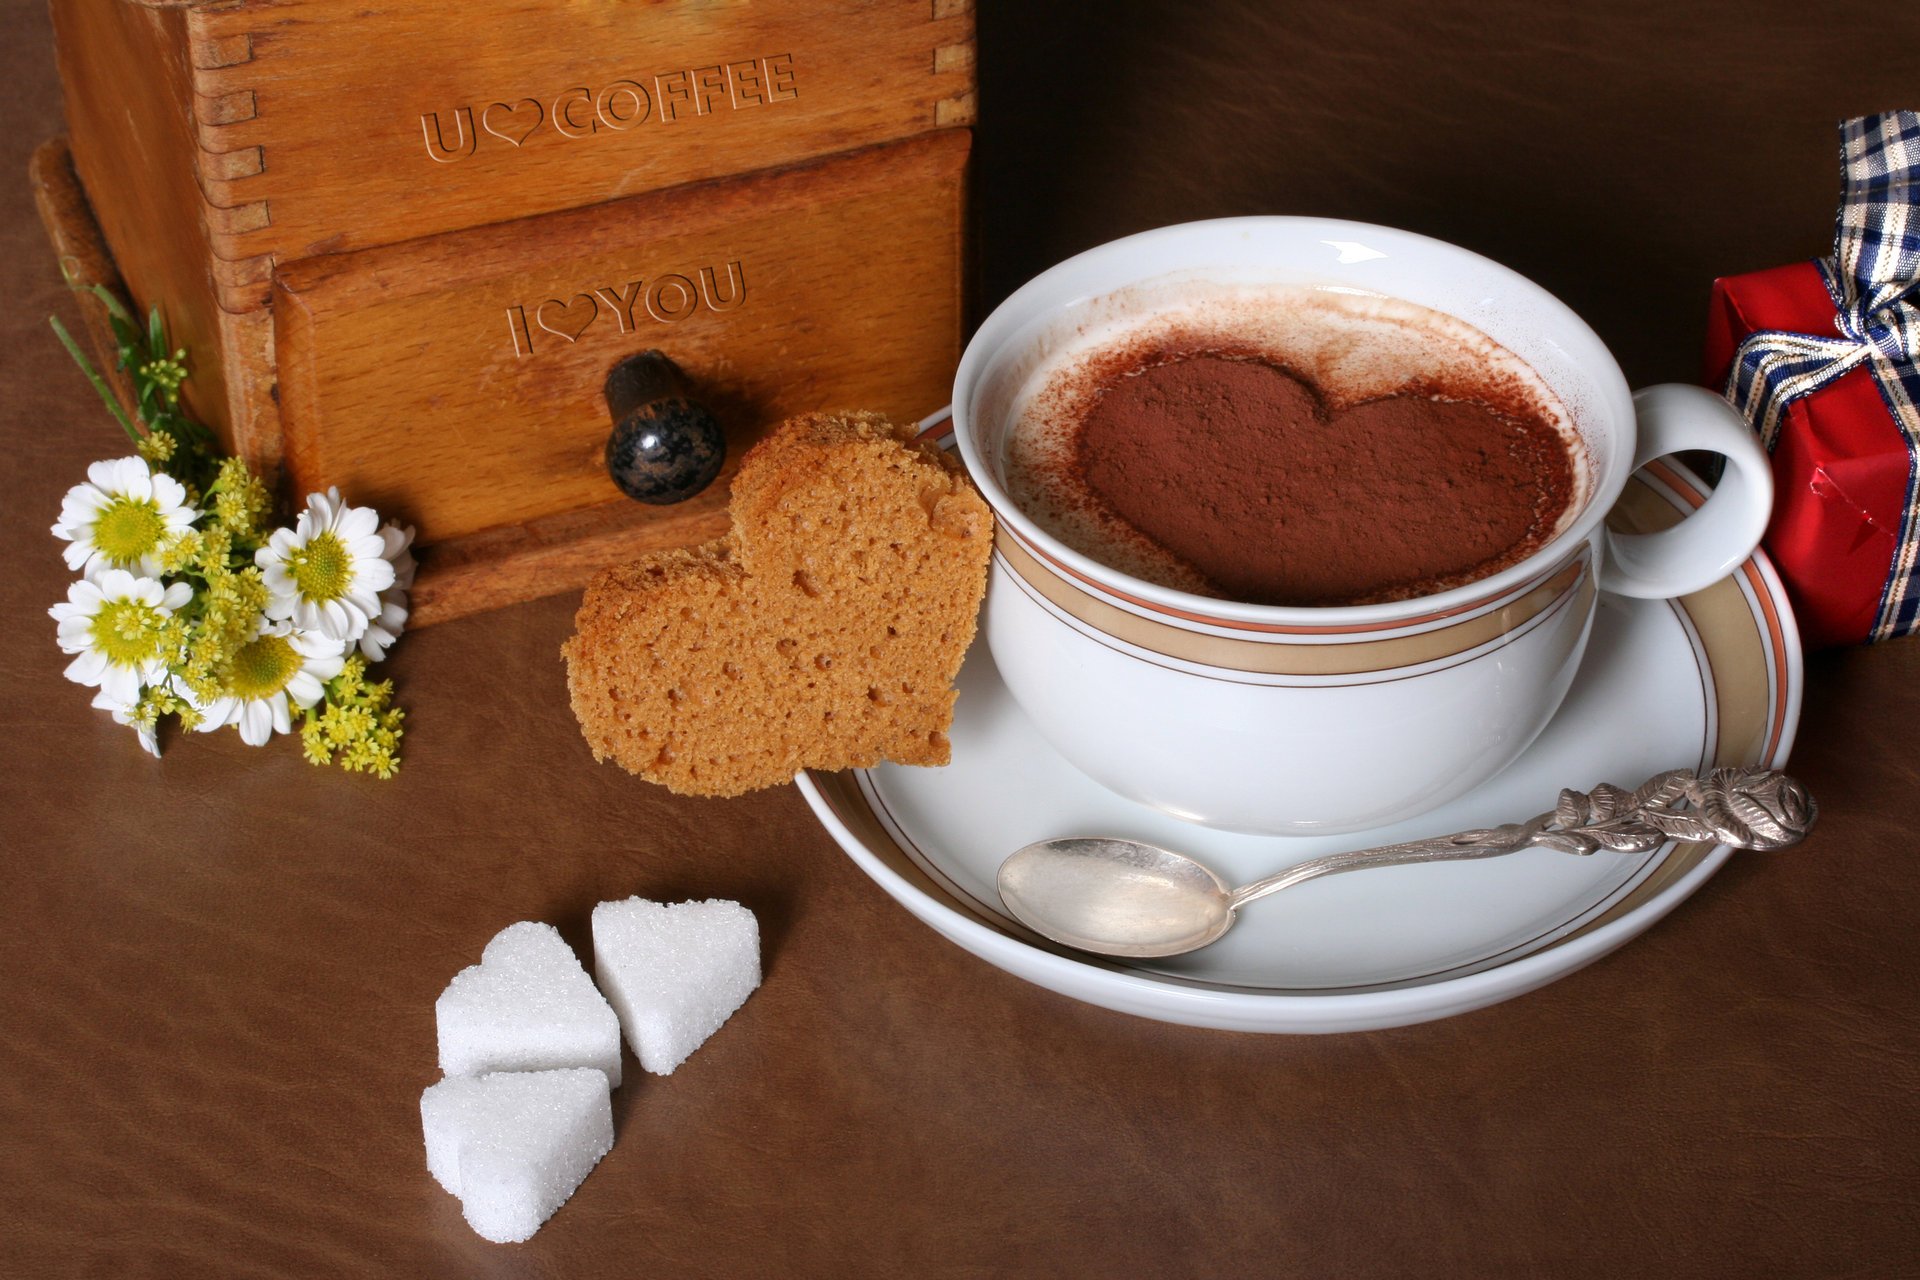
point(674, 972)
point(527, 1006)
point(513, 1145)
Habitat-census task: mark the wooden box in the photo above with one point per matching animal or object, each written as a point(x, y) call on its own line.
point(403, 242)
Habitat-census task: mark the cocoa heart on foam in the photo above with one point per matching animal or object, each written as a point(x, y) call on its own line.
point(513, 122)
point(567, 319)
point(1241, 469)
point(823, 633)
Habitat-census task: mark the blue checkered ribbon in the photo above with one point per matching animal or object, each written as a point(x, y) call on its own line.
point(1874, 278)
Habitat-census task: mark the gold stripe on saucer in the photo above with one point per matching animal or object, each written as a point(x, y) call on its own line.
point(843, 797)
point(1280, 658)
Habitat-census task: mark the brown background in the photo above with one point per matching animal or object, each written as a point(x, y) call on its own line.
point(217, 973)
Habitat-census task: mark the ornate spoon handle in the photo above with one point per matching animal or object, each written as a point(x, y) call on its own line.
point(1744, 808)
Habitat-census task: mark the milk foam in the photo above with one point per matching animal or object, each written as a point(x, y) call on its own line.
point(1351, 345)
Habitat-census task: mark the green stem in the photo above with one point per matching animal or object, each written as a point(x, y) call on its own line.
point(99, 384)
point(114, 306)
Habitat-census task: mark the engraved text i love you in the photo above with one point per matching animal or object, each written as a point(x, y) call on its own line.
point(665, 299)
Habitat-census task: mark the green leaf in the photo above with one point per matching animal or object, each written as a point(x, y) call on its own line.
point(156, 335)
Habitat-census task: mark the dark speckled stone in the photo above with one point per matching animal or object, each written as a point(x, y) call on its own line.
point(666, 451)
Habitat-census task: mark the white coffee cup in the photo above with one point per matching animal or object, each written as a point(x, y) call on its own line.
point(1289, 720)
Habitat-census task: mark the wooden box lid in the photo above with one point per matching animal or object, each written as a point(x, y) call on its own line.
point(323, 126)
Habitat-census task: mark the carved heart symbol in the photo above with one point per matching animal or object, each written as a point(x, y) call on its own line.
point(824, 631)
point(569, 320)
point(514, 126)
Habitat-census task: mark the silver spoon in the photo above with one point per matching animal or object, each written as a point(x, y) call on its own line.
point(1127, 898)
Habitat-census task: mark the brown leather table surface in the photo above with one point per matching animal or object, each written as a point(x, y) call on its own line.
point(217, 971)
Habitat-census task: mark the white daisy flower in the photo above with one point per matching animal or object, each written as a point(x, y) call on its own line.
point(123, 714)
point(122, 517)
point(116, 622)
point(385, 627)
point(282, 667)
point(327, 572)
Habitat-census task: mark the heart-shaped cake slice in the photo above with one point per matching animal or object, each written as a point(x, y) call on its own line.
point(823, 632)
point(527, 1006)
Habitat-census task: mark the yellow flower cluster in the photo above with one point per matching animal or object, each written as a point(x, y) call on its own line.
point(240, 503)
point(167, 374)
point(157, 447)
point(161, 700)
point(356, 724)
point(225, 611)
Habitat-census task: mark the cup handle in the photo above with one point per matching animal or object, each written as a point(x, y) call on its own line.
point(1713, 541)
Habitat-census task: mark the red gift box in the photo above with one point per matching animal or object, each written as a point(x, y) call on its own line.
point(1840, 463)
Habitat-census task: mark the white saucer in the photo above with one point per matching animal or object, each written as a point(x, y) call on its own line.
point(1714, 679)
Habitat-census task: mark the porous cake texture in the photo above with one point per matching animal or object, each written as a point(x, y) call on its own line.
point(824, 632)
point(514, 1145)
point(527, 1006)
point(674, 972)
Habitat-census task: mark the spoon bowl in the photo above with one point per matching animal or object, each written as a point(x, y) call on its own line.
point(1116, 897)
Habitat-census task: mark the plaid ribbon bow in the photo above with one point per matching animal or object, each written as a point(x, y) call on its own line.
point(1874, 279)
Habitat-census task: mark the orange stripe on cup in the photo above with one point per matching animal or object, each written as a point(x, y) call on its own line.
point(1278, 656)
point(1261, 628)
